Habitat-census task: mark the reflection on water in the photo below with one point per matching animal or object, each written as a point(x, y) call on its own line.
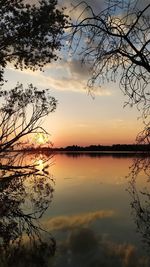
point(94, 154)
point(94, 215)
point(25, 193)
point(91, 216)
point(140, 197)
point(84, 248)
point(40, 164)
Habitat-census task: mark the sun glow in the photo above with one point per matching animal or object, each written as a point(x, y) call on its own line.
point(41, 138)
point(40, 165)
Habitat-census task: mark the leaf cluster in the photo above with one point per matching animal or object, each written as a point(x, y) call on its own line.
point(30, 35)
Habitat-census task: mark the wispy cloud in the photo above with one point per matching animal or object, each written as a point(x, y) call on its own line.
point(63, 76)
point(70, 76)
point(96, 5)
point(70, 222)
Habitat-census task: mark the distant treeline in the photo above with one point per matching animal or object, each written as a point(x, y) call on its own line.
point(93, 148)
point(117, 147)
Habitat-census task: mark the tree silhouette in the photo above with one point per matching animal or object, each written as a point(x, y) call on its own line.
point(115, 45)
point(21, 113)
point(30, 34)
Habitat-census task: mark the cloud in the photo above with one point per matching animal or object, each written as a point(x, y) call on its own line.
point(74, 8)
point(84, 241)
point(62, 75)
point(24, 71)
point(64, 223)
point(85, 247)
point(142, 4)
point(78, 69)
point(126, 252)
point(67, 76)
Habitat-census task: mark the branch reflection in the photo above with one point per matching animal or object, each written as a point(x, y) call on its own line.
point(140, 195)
point(26, 191)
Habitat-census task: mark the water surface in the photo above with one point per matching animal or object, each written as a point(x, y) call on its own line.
point(75, 209)
point(92, 215)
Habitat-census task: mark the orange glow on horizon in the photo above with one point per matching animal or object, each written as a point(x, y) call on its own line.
point(100, 133)
point(84, 140)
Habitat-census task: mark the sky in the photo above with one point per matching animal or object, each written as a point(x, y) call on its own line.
point(81, 118)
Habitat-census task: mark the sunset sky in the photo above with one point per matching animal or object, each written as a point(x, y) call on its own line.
point(81, 119)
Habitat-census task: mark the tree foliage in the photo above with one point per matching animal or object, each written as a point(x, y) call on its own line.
point(21, 113)
point(116, 45)
point(30, 35)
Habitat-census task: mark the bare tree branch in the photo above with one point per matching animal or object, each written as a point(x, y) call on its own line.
point(21, 114)
point(116, 45)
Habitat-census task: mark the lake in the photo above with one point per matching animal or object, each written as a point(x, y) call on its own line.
point(91, 215)
point(95, 213)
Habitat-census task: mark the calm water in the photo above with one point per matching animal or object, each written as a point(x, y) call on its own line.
point(92, 215)
point(96, 214)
